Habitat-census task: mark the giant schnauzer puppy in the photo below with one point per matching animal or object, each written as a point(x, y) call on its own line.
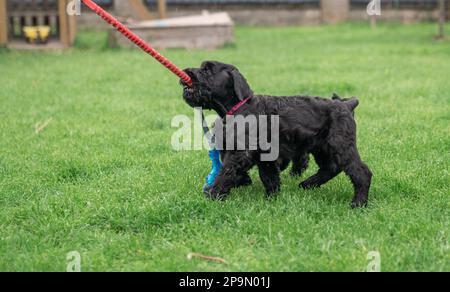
point(322, 127)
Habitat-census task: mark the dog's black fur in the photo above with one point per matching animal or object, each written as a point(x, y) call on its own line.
point(323, 127)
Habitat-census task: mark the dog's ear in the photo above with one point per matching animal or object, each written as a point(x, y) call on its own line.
point(241, 88)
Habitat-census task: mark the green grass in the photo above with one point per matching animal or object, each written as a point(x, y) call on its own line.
point(102, 178)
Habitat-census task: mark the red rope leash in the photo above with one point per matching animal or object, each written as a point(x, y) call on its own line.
point(138, 41)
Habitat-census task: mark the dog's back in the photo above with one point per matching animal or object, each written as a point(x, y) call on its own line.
point(311, 109)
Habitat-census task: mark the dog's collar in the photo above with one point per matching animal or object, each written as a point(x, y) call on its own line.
point(238, 106)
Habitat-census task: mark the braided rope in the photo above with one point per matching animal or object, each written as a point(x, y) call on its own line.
point(138, 41)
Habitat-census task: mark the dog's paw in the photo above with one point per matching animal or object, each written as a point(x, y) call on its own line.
point(296, 172)
point(307, 185)
point(244, 182)
point(211, 193)
point(271, 195)
point(359, 202)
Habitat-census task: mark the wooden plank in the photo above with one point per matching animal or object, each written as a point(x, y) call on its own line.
point(202, 37)
point(17, 27)
point(72, 29)
point(139, 10)
point(63, 23)
point(207, 19)
point(441, 18)
point(162, 9)
point(40, 19)
point(53, 24)
point(335, 11)
point(3, 23)
point(447, 16)
point(28, 19)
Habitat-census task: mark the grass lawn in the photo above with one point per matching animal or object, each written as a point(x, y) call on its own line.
point(102, 179)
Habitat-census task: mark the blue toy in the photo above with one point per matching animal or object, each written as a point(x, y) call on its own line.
point(214, 155)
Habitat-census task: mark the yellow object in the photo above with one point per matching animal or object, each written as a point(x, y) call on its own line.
point(31, 33)
point(44, 32)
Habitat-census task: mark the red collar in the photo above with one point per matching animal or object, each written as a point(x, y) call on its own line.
point(238, 106)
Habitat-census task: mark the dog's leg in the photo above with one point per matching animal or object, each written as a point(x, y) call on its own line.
point(283, 163)
point(328, 169)
point(361, 178)
point(300, 164)
point(235, 163)
point(269, 172)
point(323, 176)
point(244, 180)
point(342, 141)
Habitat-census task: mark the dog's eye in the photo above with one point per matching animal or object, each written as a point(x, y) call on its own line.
point(209, 68)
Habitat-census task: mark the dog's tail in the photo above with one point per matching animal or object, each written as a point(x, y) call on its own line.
point(351, 103)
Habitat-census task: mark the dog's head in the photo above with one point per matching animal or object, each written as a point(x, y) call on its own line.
point(216, 86)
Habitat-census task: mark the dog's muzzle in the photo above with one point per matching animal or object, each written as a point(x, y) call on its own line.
point(190, 96)
point(196, 95)
point(188, 91)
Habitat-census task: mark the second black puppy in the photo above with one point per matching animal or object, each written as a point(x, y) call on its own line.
point(323, 127)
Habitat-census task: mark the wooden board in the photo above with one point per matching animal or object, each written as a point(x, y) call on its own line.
point(448, 10)
point(162, 9)
point(67, 24)
point(206, 19)
point(3, 24)
point(72, 29)
point(52, 45)
point(205, 31)
point(64, 36)
point(335, 11)
point(139, 9)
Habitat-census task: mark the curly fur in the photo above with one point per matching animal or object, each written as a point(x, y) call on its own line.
point(322, 127)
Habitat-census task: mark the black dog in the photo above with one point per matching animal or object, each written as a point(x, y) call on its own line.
point(323, 127)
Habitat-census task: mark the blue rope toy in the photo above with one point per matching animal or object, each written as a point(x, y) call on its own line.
point(214, 155)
